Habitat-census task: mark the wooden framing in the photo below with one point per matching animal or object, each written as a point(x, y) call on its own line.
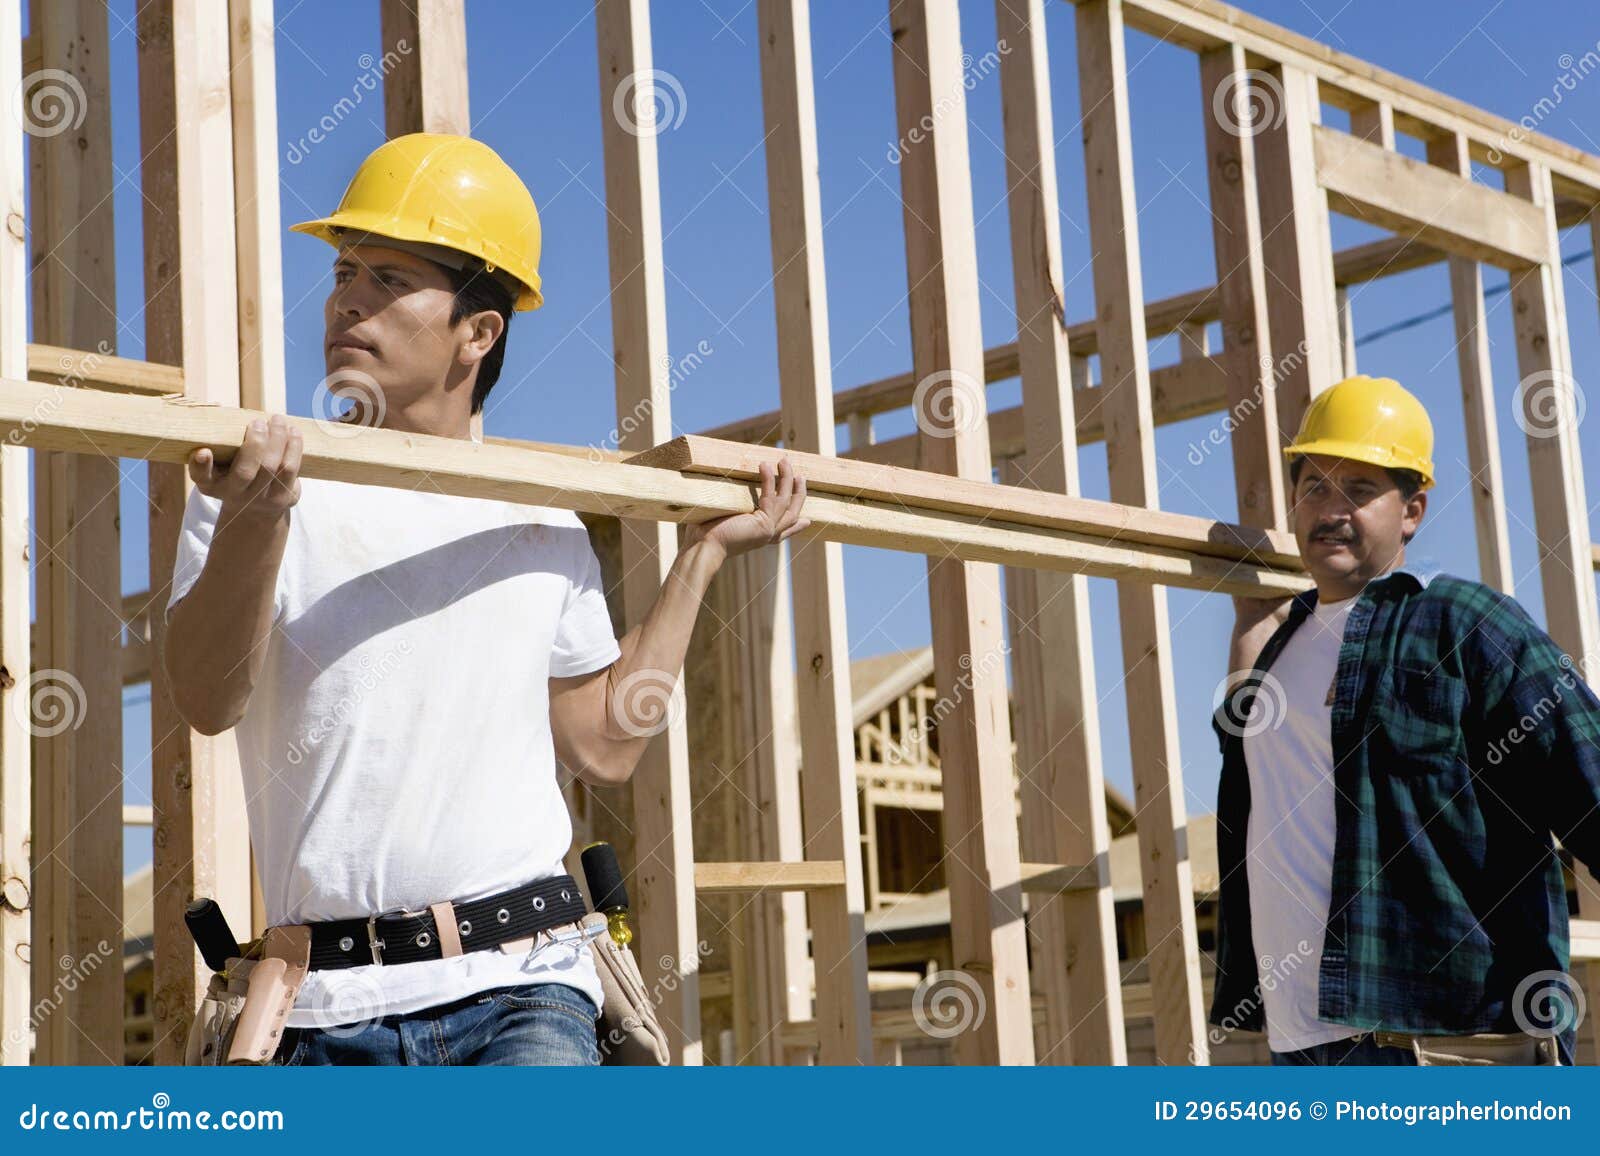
point(213, 315)
point(77, 809)
point(981, 838)
point(1451, 153)
point(16, 762)
point(664, 869)
point(1058, 739)
point(1146, 640)
point(822, 678)
point(191, 319)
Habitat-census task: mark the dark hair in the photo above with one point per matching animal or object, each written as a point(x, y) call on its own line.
point(477, 290)
point(1408, 482)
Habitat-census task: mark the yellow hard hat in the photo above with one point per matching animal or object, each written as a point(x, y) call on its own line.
point(432, 188)
point(1368, 419)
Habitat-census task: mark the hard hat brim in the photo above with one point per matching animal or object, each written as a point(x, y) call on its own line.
point(328, 229)
point(1375, 455)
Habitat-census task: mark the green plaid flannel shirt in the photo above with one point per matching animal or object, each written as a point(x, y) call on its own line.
point(1462, 738)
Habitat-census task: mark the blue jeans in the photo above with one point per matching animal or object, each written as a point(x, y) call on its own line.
point(1353, 1050)
point(535, 1023)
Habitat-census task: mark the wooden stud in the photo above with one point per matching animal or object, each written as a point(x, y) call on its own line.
point(1242, 285)
point(1058, 737)
point(986, 919)
point(77, 824)
point(191, 319)
point(771, 968)
point(1294, 220)
point(639, 337)
point(828, 783)
point(256, 216)
point(16, 762)
point(425, 87)
point(1477, 392)
point(426, 90)
point(1547, 408)
point(1130, 450)
point(1373, 123)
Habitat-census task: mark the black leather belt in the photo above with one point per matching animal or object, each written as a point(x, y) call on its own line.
point(412, 936)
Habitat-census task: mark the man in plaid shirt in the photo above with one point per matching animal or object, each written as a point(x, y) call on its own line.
point(1396, 756)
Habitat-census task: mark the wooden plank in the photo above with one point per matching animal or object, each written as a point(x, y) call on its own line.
point(16, 756)
point(257, 221)
point(805, 382)
point(639, 340)
point(1477, 393)
point(1242, 285)
point(1022, 504)
point(1131, 457)
point(1057, 879)
point(94, 370)
point(191, 319)
point(52, 417)
point(1547, 400)
point(1294, 218)
point(987, 935)
point(1452, 213)
point(1423, 112)
point(806, 875)
point(77, 824)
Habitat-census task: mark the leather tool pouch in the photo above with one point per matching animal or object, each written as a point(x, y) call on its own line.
point(242, 1016)
point(629, 1031)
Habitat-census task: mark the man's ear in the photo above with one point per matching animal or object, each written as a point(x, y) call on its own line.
point(1411, 518)
point(487, 326)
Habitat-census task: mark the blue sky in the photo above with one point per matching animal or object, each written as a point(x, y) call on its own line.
point(535, 98)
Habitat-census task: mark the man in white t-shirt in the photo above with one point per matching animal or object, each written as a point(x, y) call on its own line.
point(403, 668)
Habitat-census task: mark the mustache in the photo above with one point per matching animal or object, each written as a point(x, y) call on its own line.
point(1334, 533)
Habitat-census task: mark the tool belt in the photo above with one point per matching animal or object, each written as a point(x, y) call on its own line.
point(1484, 1048)
point(246, 1004)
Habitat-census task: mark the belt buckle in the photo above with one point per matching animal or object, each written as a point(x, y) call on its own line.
point(373, 942)
point(372, 929)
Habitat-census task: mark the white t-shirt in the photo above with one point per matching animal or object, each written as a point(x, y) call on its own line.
point(1288, 747)
point(396, 750)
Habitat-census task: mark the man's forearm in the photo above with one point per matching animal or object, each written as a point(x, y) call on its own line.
point(215, 647)
point(639, 685)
